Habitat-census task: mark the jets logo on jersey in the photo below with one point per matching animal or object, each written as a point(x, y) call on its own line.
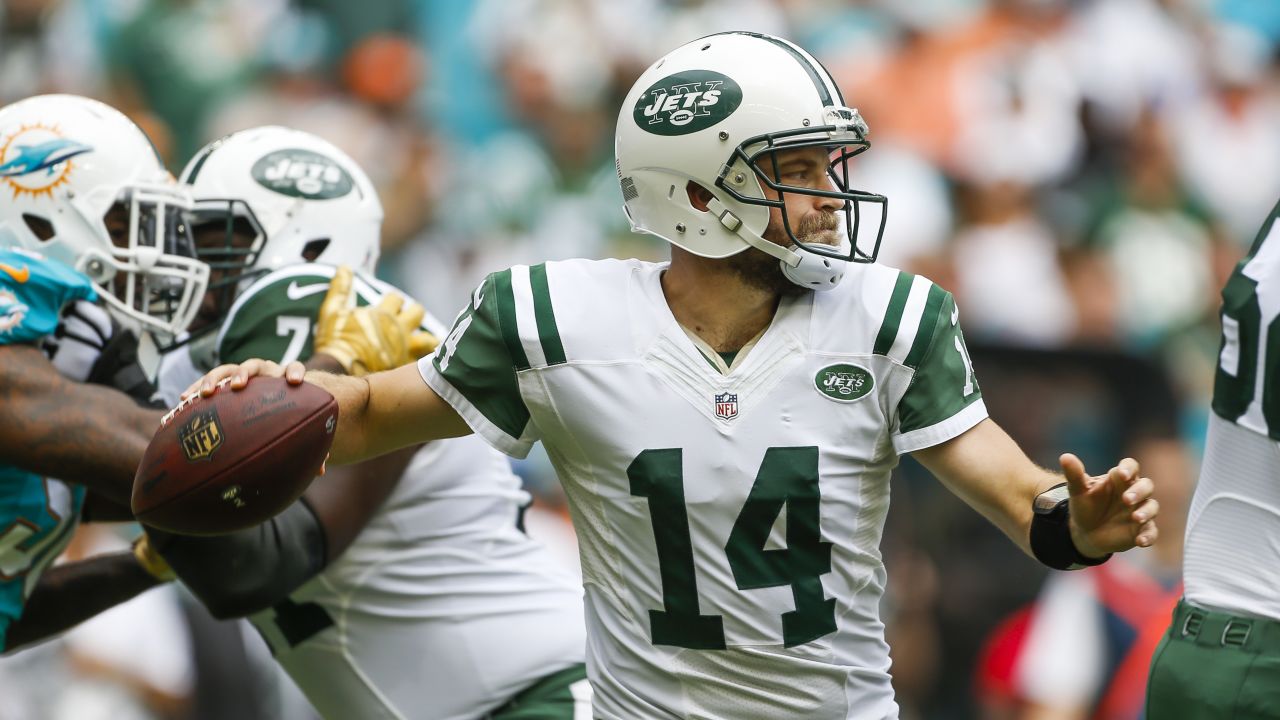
point(687, 102)
point(302, 174)
point(201, 437)
point(11, 311)
point(727, 406)
point(37, 159)
point(844, 382)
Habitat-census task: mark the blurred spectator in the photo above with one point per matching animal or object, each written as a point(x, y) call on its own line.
point(185, 58)
point(1158, 243)
point(1230, 127)
point(1008, 279)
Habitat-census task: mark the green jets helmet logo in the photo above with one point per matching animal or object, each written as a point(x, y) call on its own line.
point(302, 174)
point(687, 102)
point(844, 382)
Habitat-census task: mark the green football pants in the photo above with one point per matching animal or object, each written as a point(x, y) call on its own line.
point(1215, 666)
point(564, 695)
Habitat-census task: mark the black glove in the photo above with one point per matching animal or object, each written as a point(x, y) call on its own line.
point(89, 346)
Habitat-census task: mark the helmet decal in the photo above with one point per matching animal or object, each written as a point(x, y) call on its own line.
point(687, 102)
point(302, 174)
point(36, 159)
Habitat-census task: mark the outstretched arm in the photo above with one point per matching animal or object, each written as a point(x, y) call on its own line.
point(986, 468)
point(67, 595)
point(87, 434)
point(376, 414)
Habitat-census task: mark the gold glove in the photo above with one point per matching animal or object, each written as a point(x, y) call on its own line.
point(372, 338)
point(150, 560)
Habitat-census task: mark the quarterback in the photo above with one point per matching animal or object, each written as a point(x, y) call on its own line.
point(89, 216)
point(725, 424)
point(402, 587)
point(1221, 656)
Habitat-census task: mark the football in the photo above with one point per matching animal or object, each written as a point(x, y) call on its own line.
point(234, 459)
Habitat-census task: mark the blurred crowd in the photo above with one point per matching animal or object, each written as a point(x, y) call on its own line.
point(1082, 174)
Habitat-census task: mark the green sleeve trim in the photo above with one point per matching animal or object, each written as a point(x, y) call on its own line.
point(476, 359)
point(930, 319)
point(893, 315)
point(507, 319)
point(943, 384)
point(548, 333)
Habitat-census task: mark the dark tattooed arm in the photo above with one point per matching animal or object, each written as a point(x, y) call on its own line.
point(87, 434)
point(67, 595)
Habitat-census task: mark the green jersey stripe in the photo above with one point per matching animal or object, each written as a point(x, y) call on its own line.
point(928, 324)
point(507, 319)
point(893, 315)
point(548, 333)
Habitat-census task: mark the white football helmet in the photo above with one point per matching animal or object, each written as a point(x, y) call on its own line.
point(298, 197)
point(83, 185)
point(713, 111)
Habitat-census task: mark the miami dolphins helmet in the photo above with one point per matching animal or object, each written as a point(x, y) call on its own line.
point(716, 112)
point(82, 184)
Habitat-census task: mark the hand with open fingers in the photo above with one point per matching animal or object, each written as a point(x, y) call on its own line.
point(1112, 512)
point(372, 338)
point(237, 377)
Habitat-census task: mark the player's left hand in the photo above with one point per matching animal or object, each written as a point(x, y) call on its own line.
point(89, 347)
point(1112, 512)
point(372, 338)
point(82, 334)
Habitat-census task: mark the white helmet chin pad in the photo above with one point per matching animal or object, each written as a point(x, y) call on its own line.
point(814, 272)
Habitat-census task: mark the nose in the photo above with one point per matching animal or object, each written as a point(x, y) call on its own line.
point(828, 204)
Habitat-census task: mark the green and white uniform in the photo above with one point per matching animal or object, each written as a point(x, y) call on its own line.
point(729, 524)
point(1221, 657)
point(1233, 527)
point(441, 608)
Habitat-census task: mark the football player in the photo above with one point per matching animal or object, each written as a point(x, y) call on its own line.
point(89, 214)
point(1221, 656)
point(403, 587)
point(725, 424)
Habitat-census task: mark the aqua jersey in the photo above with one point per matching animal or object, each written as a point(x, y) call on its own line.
point(37, 515)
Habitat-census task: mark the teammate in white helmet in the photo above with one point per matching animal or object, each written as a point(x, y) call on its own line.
point(400, 588)
point(725, 424)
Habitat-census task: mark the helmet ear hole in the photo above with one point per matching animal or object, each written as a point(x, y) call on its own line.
point(39, 226)
point(314, 249)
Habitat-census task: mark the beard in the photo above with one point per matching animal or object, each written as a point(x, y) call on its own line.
point(761, 270)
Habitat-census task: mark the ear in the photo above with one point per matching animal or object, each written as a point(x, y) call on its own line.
point(699, 196)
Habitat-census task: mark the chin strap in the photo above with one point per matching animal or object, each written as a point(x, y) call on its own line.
point(805, 269)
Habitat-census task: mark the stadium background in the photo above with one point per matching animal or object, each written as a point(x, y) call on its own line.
point(1082, 174)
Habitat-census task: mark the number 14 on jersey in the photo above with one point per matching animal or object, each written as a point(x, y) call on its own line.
point(787, 479)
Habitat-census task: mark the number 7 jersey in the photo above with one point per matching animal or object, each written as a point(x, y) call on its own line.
point(729, 523)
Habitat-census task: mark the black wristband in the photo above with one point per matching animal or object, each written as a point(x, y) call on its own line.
point(1051, 532)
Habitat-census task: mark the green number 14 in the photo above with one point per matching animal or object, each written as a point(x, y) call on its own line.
point(787, 479)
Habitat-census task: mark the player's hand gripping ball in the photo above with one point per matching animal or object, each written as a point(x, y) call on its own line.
point(234, 459)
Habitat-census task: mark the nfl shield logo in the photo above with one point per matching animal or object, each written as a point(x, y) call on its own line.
point(727, 406)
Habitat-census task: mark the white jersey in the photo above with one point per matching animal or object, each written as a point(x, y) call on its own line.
point(441, 608)
point(1233, 528)
point(729, 524)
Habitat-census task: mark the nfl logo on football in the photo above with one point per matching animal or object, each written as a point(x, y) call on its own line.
point(727, 406)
